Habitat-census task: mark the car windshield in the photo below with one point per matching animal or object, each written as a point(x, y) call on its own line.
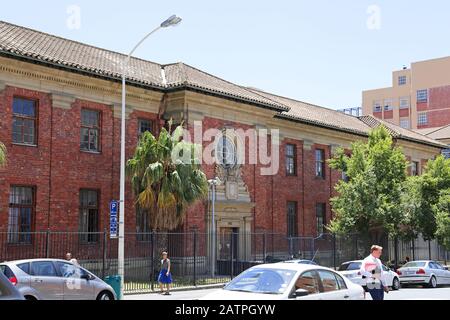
point(350, 266)
point(414, 264)
point(269, 281)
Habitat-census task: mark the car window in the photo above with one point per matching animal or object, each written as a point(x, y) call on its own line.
point(309, 282)
point(385, 268)
point(270, 281)
point(350, 266)
point(68, 270)
point(43, 269)
point(7, 271)
point(438, 266)
point(341, 282)
point(414, 264)
point(25, 267)
point(329, 281)
point(435, 265)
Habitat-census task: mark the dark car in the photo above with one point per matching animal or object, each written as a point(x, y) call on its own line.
point(7, 290)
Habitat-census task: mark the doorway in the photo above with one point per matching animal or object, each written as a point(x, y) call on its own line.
point(228, 243)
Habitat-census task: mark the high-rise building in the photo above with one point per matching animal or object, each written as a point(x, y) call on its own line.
point(419, 97)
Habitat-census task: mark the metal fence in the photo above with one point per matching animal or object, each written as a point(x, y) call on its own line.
point(190, 253)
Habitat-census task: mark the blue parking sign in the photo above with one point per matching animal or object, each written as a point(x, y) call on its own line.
point(114, 225)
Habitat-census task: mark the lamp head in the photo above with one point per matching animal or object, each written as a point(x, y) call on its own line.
point(172, 21)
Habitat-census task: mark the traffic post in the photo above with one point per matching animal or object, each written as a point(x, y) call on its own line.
point(114, 225)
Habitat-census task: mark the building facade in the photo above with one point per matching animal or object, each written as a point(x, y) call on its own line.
point(419, 97)
point(60, 121)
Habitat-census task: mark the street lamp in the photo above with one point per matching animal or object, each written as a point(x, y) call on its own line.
point(172, 21)
point(213, 183)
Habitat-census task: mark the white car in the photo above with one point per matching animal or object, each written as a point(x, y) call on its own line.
point(425, 272)
point(350, 270)
point(288, 281)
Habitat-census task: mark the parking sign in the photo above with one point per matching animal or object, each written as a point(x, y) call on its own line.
point(114, 225)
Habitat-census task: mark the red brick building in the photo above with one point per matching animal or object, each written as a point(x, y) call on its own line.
point(60, 122)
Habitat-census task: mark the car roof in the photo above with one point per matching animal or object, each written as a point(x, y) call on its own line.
point(31, 260)
point(290, 266)
point(353, 261)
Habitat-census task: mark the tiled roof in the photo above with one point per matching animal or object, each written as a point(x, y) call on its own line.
point(24, 43)
point(317, 115)
point(399, 132)
point(46, 48)
point(439, 133)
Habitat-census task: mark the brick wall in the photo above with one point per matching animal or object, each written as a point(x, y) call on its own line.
point(58, 168)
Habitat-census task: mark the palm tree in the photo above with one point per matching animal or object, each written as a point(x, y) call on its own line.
point(165, 187)
point(2, 154)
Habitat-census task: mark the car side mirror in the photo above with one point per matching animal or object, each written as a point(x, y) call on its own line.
point(446, 268)
point(301, 293)
point(86, 277)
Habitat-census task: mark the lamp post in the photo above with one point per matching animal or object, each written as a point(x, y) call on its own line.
point(213, 183)
point(172, 21)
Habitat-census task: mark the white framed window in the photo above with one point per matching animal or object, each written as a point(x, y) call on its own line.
point(404, 102)
point(377, 106)
point(422, 119)
point(388, 105)
point(422, 96)
point(401, 80)
point(405, 123)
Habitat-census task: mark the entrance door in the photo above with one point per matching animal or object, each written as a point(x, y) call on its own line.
point(228, 237)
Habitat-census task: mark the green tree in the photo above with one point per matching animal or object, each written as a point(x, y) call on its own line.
point(166, 177)
point(443, 219)
point(2, 154)
point(369, 202)
point(434, 181)
point(411, 204)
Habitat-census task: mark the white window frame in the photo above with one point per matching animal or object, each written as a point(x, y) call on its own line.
point(422, 121)
point(377, 106)
point(404, 106)
point(422, 96)
point(405, 119)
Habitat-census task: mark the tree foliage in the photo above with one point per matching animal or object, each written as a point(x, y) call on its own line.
point(369, 203)
point(166, 177)
point(442, 209)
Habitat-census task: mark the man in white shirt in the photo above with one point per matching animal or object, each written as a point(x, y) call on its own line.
point(372, 271)
point(70, 259)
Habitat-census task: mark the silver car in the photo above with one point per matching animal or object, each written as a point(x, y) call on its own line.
point(425, 272)
point(7, 290)
point(350, 270)
point(53, 279)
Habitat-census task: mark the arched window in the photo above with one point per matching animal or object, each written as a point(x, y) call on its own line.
point(226, 152)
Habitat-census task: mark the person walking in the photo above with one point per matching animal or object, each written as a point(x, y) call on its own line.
point(165, 276)
point(373, 274)
point(70, 259)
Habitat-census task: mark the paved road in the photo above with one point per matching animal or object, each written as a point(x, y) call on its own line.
point(414, 293)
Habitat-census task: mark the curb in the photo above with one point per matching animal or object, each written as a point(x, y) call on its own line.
point(204, 287)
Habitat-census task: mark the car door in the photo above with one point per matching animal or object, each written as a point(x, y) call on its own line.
point(440, 273)
point(75, 283)
point(330, 287)
point(46, 281)
point(308, 281)
point(388, 276)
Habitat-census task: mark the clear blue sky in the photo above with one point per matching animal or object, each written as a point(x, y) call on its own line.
point(319, 51)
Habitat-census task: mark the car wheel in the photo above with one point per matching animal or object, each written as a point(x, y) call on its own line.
point(105, 295)
point(30, 298)
point(433, 282)
point(395, 284)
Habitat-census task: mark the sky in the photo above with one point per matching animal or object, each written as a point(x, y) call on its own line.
point(323, 51)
